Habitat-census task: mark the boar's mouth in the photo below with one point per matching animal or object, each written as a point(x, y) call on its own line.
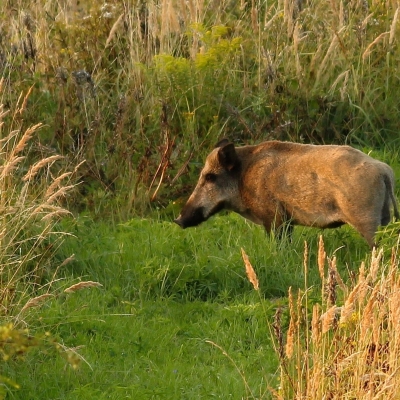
point(195, 216)
point(189, 218)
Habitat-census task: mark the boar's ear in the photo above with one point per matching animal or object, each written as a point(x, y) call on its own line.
point(222, 142)
point(227, 156)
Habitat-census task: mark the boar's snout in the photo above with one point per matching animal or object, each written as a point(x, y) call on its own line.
point(179, 222)
point(190, 217)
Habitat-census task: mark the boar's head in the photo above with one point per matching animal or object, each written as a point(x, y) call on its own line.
point(217, 187)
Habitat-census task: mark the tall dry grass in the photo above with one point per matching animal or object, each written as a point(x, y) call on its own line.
point(33, 197)
point(346, 345)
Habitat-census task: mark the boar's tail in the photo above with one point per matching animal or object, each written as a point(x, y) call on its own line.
point(396, 211)
point(390, 190)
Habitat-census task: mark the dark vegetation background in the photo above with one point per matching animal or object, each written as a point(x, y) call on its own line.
point(142, 90)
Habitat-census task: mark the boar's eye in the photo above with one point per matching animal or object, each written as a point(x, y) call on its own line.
point(210, 177)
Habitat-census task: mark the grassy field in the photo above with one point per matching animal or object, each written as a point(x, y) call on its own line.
point(106, 113)
point(176, 316)
point(146, 331)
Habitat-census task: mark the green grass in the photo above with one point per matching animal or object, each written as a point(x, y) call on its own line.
point(157, 258)
point(151, 349)
point(175, 316)
point(167, 293)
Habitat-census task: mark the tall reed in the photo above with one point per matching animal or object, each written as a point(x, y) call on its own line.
point(33, 197)
point(352, 352)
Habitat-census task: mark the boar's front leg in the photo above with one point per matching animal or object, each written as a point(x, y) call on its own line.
point(282, 228)
point(285, 230)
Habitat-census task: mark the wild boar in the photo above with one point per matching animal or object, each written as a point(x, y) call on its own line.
point(281, 184)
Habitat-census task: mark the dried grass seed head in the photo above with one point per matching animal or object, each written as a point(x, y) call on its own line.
point(82, 285)
point(251, 274)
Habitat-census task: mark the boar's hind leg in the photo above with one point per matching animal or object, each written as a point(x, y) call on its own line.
point(367, 229)
point(389, 199)
point(385, 217)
